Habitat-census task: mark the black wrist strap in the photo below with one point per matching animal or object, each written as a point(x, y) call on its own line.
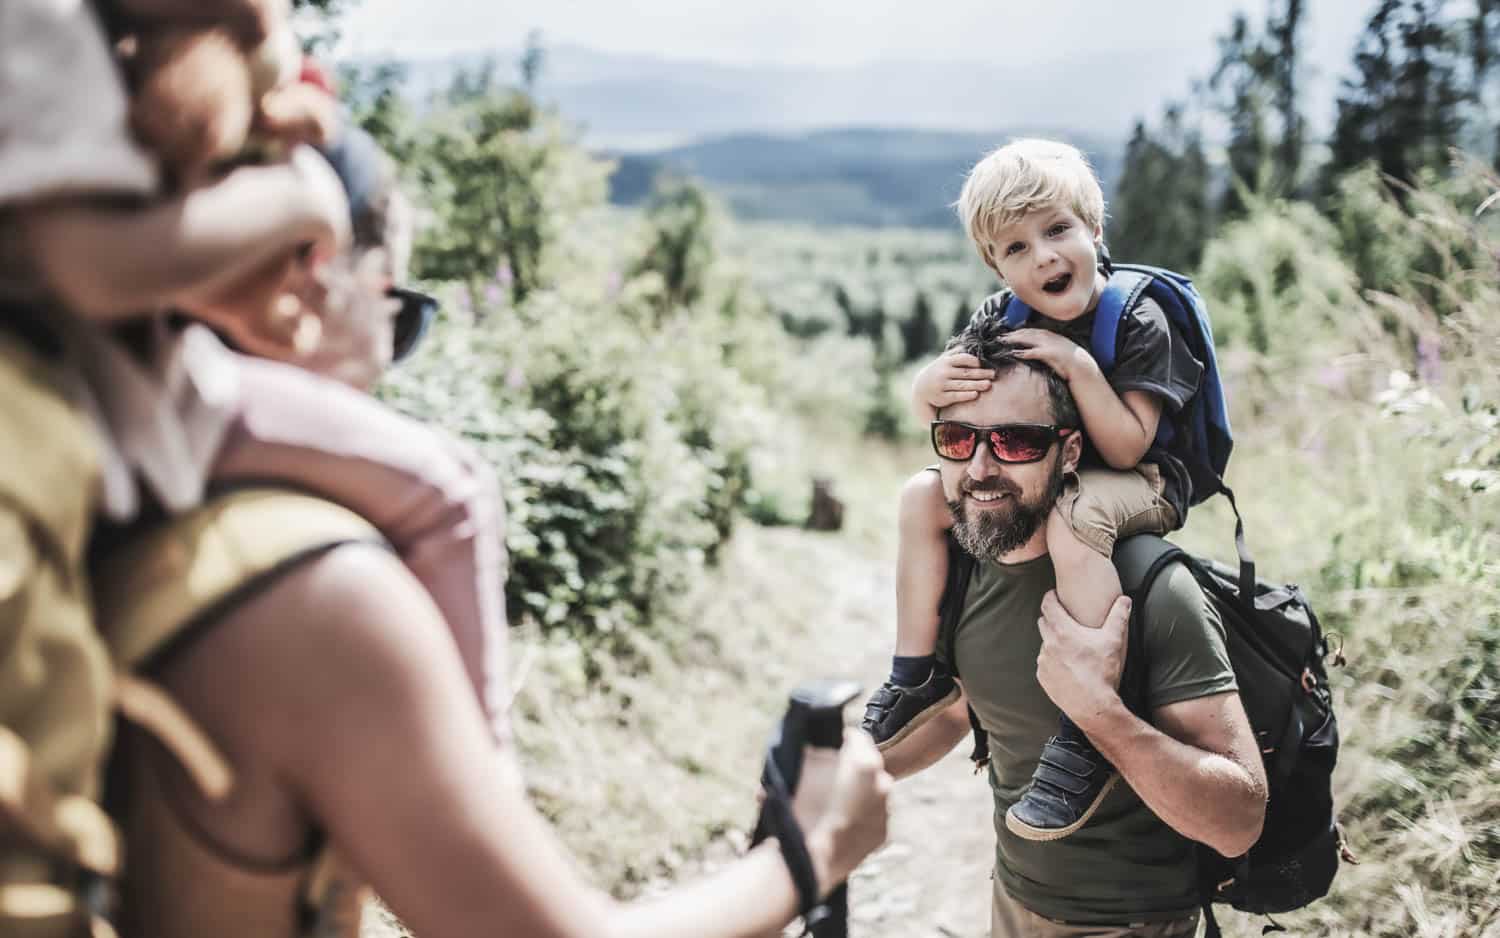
point(777, 820)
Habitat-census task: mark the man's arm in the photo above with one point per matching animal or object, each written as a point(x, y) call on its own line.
point(1198, 768)
point(929, 742)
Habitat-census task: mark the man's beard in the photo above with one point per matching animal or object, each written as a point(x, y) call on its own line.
point(995, 531)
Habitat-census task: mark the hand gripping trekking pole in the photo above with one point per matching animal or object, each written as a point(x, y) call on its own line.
point(814, 717)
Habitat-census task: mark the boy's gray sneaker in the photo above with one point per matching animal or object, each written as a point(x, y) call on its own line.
point(894, 711)
point(1068, 786)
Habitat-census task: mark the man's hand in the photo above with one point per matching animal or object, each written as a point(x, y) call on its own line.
point(1080, 667)
point(1064, 356)
point(952, 378)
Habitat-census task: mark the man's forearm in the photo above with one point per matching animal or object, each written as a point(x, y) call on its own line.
point(930, 742)
point(1202, 795)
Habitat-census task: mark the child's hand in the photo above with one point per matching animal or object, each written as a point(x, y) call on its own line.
point(266, 312)
point(1064, 356)
point(952, 378)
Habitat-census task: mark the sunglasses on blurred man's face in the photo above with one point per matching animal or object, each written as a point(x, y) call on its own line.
point(416, 314)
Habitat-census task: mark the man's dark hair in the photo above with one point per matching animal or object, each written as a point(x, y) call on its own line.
point(369, 179)
point(984, 338)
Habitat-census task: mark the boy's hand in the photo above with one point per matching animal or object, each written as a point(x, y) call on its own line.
point(952, 378)
point(1064, 356)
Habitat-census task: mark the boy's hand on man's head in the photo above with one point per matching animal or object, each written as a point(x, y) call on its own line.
point(952, 378)
point(1064, 356)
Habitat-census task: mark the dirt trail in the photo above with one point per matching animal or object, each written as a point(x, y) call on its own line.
point(932, 878)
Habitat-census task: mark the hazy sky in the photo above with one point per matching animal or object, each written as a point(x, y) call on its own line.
point(1179, 33)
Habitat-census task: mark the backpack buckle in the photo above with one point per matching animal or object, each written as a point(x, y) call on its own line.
point(1309, 681)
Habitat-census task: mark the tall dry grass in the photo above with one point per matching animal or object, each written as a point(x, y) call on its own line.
point(1368, 465)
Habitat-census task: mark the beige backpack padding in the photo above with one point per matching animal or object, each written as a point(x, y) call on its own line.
point(55, 684)
point(156, 589)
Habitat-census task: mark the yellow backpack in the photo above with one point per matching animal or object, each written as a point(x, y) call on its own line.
point(62, 678)
point(56, 845)
point(157, 589)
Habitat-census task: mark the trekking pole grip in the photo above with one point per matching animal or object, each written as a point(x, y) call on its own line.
point(814, 717)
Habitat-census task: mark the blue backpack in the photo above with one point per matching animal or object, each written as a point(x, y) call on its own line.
point(1200, 435)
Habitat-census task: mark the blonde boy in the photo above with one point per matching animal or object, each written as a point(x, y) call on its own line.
point(1035, 212)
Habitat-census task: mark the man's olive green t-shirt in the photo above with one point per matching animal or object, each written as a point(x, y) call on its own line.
point(1125, 865)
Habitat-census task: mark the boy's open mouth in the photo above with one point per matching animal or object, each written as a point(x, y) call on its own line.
point(1057, 284)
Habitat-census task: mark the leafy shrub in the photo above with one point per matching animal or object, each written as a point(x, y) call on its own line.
point(630, 430)
point(1275, 280)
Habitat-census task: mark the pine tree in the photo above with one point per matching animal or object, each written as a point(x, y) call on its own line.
point(486, 157)
point(961, 316)
point(1282, 42)
point(1483, 47)
point(1133, 223)
point(918, 331)
point(1243, 75)
point(533, 57)
point(1404, 107)
point(373, 96)
point(1161, 213)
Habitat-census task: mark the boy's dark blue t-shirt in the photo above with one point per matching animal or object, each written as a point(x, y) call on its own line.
point(1150, 356)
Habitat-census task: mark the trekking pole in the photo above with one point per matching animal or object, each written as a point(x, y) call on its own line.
point(814, 717)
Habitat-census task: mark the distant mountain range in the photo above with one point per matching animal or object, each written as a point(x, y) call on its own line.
point(857, 176)
point(761, 137)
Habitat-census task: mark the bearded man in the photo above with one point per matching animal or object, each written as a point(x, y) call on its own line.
point(1191, 768)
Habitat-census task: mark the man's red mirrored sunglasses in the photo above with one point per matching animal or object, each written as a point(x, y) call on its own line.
point(1008, 442)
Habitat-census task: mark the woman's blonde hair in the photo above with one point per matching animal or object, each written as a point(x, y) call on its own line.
point(1022, 177)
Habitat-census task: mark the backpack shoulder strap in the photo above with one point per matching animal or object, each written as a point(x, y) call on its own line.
point(1121, 291)
point(951, 606)
point(950, 610)
point(153, 588)
point(1140, 560)
point(1016, 312)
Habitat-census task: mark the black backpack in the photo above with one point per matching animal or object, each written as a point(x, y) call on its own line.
point(1277, 650)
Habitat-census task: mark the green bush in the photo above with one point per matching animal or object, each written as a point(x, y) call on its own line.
point(629, 426)
point(1275, 280)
